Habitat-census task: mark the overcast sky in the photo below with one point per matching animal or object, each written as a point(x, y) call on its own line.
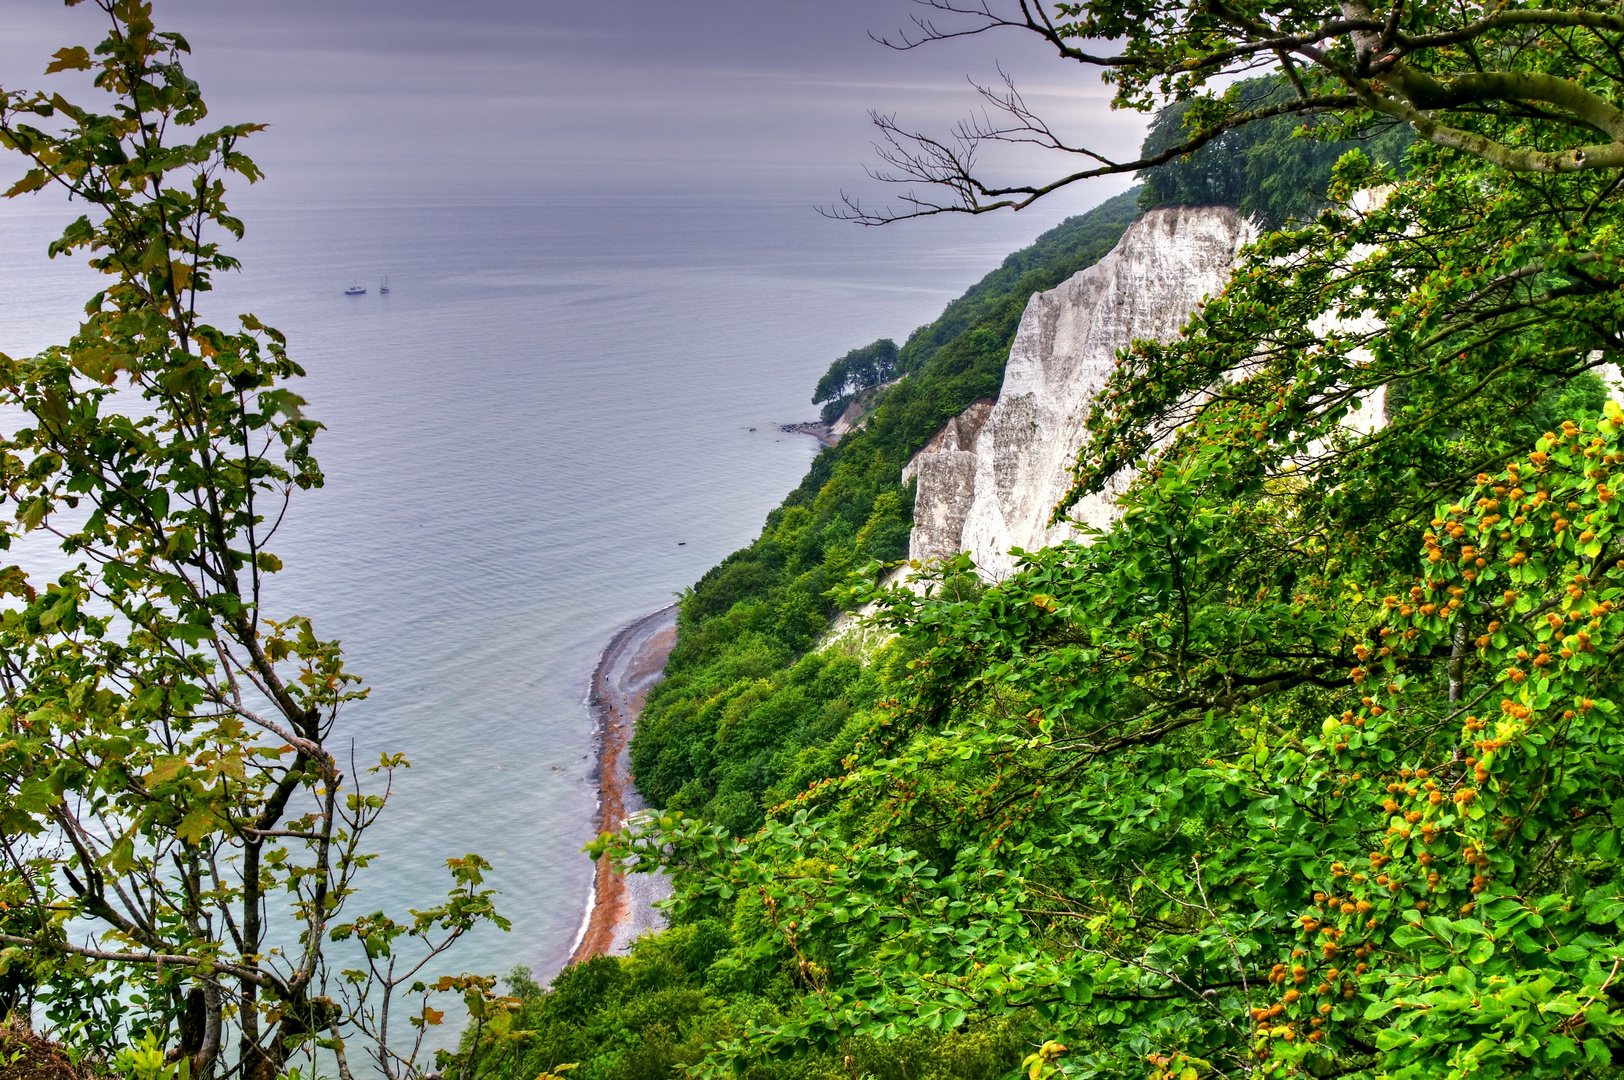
point(502, 98)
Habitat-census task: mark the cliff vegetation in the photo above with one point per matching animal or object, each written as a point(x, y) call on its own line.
point(746, 716)
point(750, 715)
point(1309, 764)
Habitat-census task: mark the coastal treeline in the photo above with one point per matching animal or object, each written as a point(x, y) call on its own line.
point(853, 375)
point(755, 714)
point(1310, 765)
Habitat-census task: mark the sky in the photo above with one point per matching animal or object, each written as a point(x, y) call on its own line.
point(505, 98)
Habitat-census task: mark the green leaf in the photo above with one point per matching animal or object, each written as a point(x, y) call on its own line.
point(75, 58)
point(164, 770)
point(122, 857)
point(1606, 910)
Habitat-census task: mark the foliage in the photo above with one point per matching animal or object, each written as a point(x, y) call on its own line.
point(1276, 171)
point(1311, 764)
point(1526, 86)
point(649, 1015)
point(26, 1055)
point(179, 840)
point(857, 371)
point(739, 723)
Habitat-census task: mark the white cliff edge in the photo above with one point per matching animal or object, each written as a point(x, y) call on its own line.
point(990, 479)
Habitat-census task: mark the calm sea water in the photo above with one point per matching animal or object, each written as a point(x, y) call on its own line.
point(561, 415)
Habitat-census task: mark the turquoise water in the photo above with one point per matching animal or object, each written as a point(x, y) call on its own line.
point(543, 432)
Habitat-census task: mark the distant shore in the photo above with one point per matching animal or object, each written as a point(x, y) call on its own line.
point(818, 431)
point(623, 906)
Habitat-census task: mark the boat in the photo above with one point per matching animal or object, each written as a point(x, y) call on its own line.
point(383, 290)
point(356, 290)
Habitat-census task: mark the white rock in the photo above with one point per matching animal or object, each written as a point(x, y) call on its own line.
point(989, 485)
point(946, 467)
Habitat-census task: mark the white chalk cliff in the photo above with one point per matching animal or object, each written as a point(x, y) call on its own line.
point(989, 480)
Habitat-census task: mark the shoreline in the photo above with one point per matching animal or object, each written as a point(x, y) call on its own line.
point(816, 430)
point(621, 908)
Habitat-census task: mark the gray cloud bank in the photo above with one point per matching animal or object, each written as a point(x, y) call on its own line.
point(407, 98)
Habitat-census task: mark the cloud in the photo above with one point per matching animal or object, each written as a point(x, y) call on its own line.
point(410, 97)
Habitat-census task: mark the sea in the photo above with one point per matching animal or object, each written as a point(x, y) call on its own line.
point(562, 413)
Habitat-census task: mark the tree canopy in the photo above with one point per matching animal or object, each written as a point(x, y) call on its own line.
point(1309, 765)
point(857, 371)
point(1275, 170)
point(1526, 86)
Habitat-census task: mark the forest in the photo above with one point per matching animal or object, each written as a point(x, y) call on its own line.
point(1310, 765)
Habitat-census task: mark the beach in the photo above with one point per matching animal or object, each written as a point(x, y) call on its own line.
point(622, 908)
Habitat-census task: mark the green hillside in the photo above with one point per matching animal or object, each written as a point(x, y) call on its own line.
point(747, 717)
point(748, 720)
point(740, 722)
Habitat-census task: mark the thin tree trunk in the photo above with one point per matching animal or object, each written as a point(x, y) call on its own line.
point(207, 1054)
point(1457, 662)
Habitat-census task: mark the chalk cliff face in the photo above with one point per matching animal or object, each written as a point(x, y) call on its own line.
point(946, 468)
point(989, 480)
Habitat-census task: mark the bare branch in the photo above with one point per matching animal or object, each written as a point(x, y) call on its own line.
point(917, 157)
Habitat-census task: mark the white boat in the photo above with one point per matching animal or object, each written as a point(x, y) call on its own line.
point(383, 290)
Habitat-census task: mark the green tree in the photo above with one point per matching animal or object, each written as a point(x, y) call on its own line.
point(179, 839)
point(1310, 765)
point(859, 370)
point(1525, 86)
point(1274, 170)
